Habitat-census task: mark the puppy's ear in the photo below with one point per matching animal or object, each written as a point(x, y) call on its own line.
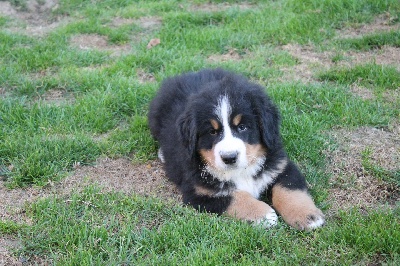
point(268, 120)
point(187, 131)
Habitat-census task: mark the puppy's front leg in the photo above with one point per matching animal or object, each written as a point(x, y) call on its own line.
point(243, 206)
point(296, 207)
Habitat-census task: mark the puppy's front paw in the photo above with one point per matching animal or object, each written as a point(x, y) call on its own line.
point(297, 208)
point(270, 219)
point(308, 220)
point(245, 207)
point(314, 220)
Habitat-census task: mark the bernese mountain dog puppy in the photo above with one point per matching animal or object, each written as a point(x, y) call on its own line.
point(220, 144)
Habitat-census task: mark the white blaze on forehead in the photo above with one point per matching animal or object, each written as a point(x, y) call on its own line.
point(228, 143)
point(223, 110)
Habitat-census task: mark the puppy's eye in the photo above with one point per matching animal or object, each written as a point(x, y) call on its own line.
point(213, 132)
point(241, 127)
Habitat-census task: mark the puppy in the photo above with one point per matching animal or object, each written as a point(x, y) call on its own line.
point(220, 144)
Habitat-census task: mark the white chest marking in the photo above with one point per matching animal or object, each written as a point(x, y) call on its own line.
point(256, 186)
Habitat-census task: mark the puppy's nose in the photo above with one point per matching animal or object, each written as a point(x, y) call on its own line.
point(229, 157)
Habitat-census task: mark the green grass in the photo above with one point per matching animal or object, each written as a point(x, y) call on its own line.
point(104, 114)
point(93, 228)
point(372, 41)
point(381, 173)
point(377, 77)
point(8, 227)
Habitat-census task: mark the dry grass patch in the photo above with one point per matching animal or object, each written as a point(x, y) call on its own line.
point(35, 19)
point(6, 245)
point(3, 93)
point(111, 175)
point(149, 23)
point(118, 22)
point(362, 92)
point(97, 42)
point(124, 176)
point(120, 175)
point(231, 55)
point(57, 97)
point(212, 7)
point(353, 184)
point(386, 56)
point(144, 76)
point(309, 61)
point(384, 22)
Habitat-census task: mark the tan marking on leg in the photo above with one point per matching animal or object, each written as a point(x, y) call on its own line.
point(208, 157)
point(254, 151)
point(245, 207)
point(214, 124)
point(202, 191)
point(296, 207)
point(236, 120)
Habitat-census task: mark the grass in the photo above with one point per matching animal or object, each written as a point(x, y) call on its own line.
point(378, 171)
point(372, 41)
point(377, 77)
point(103, 113)
point(8, 227)
point(94, 228)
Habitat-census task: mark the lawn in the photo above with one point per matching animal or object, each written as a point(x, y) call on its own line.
point(79, 180)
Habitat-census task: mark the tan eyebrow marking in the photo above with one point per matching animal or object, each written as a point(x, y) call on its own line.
point(214, 124)
point(237, 119)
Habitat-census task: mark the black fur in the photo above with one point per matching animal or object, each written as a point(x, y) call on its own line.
point(178, 120)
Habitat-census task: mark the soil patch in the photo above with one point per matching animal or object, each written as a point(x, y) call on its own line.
point(119, 175)
point(7, 244)
point(124, 176)
point(209, 7)
point(352, 184)
point(35, 18)
point(149, 23)
point(97, 42)
point(57, 97)
point(362, 92)
point(3, 93)
point(310, 62)
point(387, 55)
point(231, 55)
point(118, 22)
point(381, 23)
point(144, 77)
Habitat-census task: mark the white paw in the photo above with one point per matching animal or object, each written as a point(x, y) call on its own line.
point(270, 219)
point(161, 155)
point(316, 222)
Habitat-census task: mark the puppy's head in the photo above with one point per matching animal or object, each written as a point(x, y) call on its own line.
point(230, 126)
